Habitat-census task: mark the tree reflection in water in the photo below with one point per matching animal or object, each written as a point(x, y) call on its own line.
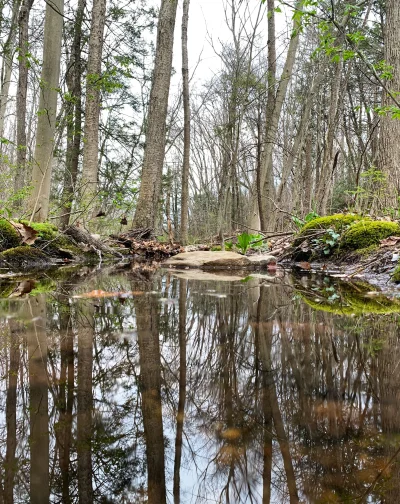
point(189, 391)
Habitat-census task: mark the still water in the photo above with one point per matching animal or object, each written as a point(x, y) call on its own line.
point(130, 385)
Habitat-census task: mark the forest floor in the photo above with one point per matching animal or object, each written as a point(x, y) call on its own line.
point(343, 246)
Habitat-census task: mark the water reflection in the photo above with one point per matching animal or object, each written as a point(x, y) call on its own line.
point(190, 391)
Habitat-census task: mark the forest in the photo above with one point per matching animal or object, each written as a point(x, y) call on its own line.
point(299, 115)
point(199, 251)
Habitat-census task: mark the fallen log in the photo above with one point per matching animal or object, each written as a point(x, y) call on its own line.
point(80, 235)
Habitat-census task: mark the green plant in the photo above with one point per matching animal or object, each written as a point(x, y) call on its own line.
point(299, 223)
point(228, 245)
point(328, 241)
point(243, 242)
point(256, 241)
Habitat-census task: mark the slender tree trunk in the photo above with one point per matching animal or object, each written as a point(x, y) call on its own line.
point(8, 56)
point(325, 177)
point(267, 190)
point(23, 24)
point(90, 166)
point(74, 126)
point(43, 158)
point(186, 125)
point(148, 202)
point(299, 138)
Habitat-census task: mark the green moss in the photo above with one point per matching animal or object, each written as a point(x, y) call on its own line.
point(43, 286)
point(366, 233)
point(366, 251)
point(6, 288)
point(357, 306)
point(351, 299)
point(46, 230)
point(9, 236)
point(338, 222)
point(23, 256)
point(217, 248)
point(62, 242)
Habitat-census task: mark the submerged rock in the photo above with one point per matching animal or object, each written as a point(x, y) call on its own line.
point(220, 260)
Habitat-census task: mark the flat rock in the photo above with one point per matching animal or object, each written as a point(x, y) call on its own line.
point(219, 260)
point(207, 276)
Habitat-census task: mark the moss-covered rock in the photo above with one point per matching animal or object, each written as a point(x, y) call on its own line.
point(324, 244)
point(338, 222)
point(45, 230)
point(9, 236)
point(23, 257)
point(366, 233)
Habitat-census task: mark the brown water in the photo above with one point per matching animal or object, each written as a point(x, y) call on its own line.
point(192, 391)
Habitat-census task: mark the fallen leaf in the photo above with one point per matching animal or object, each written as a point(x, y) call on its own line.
point(390, 242)
point(24, 287)
point(304, 265)
point(28, 234)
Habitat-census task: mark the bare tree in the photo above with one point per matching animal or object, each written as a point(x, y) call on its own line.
point(186, 126)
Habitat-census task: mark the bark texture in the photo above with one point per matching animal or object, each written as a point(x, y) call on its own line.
point(148, 202)
point(23, 23)
point(389, 146)
point(92, 109)
point(43, 158)
point(74, 125)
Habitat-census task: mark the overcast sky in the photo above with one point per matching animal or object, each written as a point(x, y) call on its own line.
point(205, 16)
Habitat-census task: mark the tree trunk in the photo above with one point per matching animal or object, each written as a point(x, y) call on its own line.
point(11, 412)
point(186, 126)
point(325, 177)
point(182, 390)
point(92, 110)
point(43, 158)
point(389, 147)
point(85, 407)
point(39, 407)
point(74, 126)
point(8, 56)
point(23, 22)
point(150, 382)
point(148, 202)
point(265, 179)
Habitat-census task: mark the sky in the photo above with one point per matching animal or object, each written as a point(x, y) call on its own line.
point(206, 19)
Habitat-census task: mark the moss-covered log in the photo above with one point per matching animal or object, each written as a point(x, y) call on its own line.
point(9, 236)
